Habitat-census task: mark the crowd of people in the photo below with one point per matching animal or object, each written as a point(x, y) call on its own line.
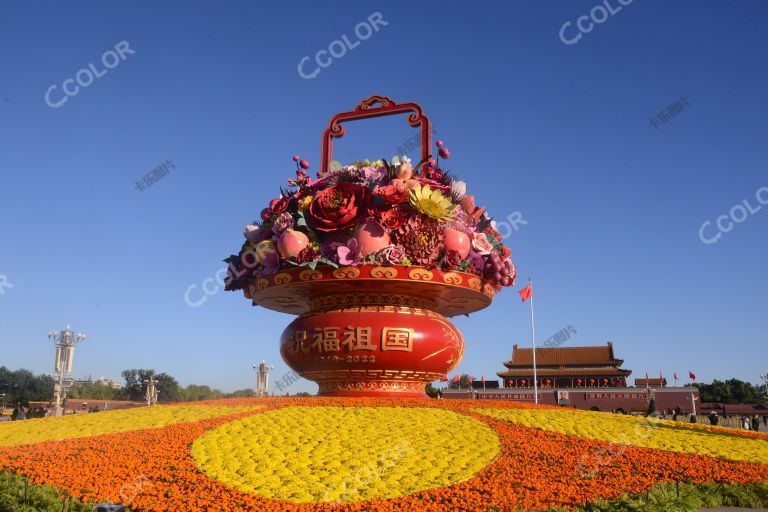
point(746, 421)
point(27, 413)
point(21, 412)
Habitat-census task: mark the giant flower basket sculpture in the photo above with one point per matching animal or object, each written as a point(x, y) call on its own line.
point(373, 257)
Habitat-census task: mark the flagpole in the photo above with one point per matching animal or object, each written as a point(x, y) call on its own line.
point(533, 342)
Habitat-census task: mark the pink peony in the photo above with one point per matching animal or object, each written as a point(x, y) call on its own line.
point(282, 222)
point(393, 254)
point(481, 244)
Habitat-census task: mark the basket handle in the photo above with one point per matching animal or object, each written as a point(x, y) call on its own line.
point(367, 109)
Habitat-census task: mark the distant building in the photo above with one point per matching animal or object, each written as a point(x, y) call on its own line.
point(588, 377)
point(654, 383)
point(104, 381)
point(565, 367)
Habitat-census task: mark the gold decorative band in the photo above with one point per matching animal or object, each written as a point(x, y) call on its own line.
point(381, 386)
point(420, 274)
point(384, 272)
point(372, 375)
point(310, 275)
point(283, 278)
point(452, 278)
point(368, 299)
point(346, 273)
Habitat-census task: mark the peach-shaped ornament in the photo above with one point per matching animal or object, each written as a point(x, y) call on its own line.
point(371, 237)
point(404, 172)
point(291, 243)
point(412, 184)
point(398, 184)
point(455, 240)
point(264, 248)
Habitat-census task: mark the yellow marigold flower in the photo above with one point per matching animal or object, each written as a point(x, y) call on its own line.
point(304, 202)
point(332, 454)
point(630, 430)
point(431, 203)
point(108, 422)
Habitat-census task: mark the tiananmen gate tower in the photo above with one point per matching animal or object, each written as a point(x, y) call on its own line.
point(583, 377)
point(567, 367)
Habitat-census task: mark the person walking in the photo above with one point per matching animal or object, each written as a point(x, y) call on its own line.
point(756, 423)
point(765, 420)
point(713, 419)
point(746, 423)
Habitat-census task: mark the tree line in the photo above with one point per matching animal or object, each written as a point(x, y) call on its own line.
point(24, 386)
point(731, 391)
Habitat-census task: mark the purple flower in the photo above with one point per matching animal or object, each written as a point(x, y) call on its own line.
point(282, 222)
point(329, 250)
point(476, 262)
point(373, 176)
point(349, 254)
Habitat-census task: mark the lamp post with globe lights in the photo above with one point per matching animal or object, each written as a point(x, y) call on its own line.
point(65, 342)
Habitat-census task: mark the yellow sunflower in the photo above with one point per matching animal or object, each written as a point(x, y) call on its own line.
point(431, 203)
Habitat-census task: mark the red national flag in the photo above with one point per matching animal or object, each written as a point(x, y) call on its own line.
point(471, 378)
point(675, 375)
point(456, 378)
point(646, 376)
point(482, 379)
point(526, 292)
point(661, 377)
point(691, 375)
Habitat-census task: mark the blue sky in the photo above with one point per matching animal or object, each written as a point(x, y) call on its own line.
point(558, 132)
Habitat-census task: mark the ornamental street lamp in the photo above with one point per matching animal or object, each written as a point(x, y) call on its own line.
point(693, 405)
point(152, 392)
point(262, 377)
point(64, 342)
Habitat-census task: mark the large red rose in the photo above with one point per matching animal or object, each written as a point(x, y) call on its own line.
point(392, 194)
point(338, 207)
point(392, 218)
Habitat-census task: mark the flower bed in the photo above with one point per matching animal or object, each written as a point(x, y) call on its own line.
point(86, 425)
point(309, 454)
point(154, 470)
point(645, 432)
